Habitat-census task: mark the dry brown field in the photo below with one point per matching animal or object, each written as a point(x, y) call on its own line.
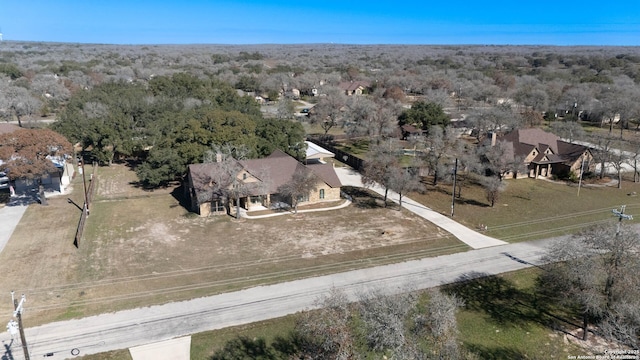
point(143, 247)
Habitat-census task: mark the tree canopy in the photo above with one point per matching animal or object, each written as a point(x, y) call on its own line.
point(26, 152)
point(424, 115)
point(170, 124)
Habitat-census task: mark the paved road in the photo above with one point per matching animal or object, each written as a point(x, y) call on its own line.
point(136, 327)
point(472, 238)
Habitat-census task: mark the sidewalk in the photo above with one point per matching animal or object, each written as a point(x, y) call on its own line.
point(244, 214)
point(472, 238)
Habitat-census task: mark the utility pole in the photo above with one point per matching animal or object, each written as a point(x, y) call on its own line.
point(18, 307)
point(581, 172)
point(453, 193)
point(84, 186)
point(621, 216)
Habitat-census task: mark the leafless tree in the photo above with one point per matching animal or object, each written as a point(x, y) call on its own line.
point(358, 114)
point(50, 88)
point(95, 110)
point(301, 184)
point(531, 93)
point(384, 318)
point(382, 168)
point(618, 159)
point(499, 159)
point(17, 102)
point(285, 109)
point(596, 269)
point(325, 334)
point(384, 121)
point(328, 111)
point(633, 160)
point(602, 150)
point(439, 145)
point(569, 130)
point(226, 179)
point(493, 187)
point(498, 119)
point(403, 181)
point(440, 325)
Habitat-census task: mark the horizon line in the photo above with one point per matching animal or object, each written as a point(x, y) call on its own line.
point(315, 43)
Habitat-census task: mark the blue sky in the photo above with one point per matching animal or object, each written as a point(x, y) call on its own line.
point(500, 22)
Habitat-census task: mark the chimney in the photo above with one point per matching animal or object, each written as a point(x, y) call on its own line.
point(493, 138)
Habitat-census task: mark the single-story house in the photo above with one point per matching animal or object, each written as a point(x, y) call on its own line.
point(546, 154)
point(354, 87)
point(261, 179)
point(407, 131)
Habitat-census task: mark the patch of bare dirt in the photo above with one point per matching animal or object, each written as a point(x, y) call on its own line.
point(594, 345)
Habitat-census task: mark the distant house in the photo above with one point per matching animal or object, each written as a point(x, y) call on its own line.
point(294, 94)
point(407, 131)
point(354, 87)
point(263, 178)
point(546, 155)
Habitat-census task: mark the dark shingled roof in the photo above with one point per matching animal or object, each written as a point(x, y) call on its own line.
point(525, 140)
point(273, 171)
point(571, 151)
point(534, 137)
point(276, 169)
point(326, 173)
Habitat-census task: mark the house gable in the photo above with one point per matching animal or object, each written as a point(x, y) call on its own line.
point(545, 149)
point(268, 174)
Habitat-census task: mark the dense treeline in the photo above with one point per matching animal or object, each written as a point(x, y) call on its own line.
point(169, 123)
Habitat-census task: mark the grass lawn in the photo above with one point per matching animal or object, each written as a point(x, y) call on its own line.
point(505, 318)
point(532, 209)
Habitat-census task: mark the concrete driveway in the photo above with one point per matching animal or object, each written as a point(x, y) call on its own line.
point(9, 218)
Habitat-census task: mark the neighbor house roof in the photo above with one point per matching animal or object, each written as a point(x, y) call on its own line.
point(317, 152)
point(525, 140)
point(533, 137)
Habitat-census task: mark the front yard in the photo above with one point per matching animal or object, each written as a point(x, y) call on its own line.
point(141, 248)
point(532, 209)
